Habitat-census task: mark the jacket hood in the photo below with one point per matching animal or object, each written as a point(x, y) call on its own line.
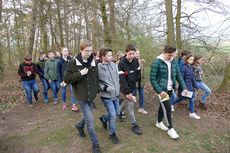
point(161, 56)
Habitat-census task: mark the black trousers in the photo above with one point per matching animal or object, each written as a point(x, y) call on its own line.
point(165, 111)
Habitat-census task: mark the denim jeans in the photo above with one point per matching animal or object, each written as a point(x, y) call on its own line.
point(46, 86)
point(191, 102)
point(88, 119)
point(63, 93)
point(29, 86)
point(172, 97)
point(113, 109)
point(55, 86)
point(205, 88)
point(141, 95)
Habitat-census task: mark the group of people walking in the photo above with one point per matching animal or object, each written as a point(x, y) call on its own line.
point(117, 82)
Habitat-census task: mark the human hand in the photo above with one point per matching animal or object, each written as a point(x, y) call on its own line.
point(84, 71)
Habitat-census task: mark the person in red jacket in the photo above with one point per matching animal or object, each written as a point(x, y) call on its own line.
point(27, 71)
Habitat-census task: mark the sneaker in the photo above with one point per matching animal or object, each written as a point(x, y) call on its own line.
point(172, 133)
point(55, 101)
point(74, 108)
point(142, 110)
point(46, 99)
point(172, 108)
point(64, 106)
point(36, 99)
point(123, 115)
point(113, 138)
point(161, 126)
point(81, 131)
point(136, 129)
point(203, 105)
point(193, 115)
point(104, 123)
point(31, 105)
point(96, 149)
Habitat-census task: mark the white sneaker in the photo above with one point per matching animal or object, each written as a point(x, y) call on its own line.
point(172, 108)
point(172, 133)
point(193, 115)
point(142, 110)
point(161, 126)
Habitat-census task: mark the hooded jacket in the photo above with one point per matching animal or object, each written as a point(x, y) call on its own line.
point(159, 75)
point(108, 80)
point(51, 69)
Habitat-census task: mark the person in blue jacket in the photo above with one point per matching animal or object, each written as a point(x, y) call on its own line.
point(180, 60)
point(61, 66)
point(190, 82)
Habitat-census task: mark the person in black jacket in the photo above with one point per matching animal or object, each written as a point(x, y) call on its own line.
point(129, 73)
point(27, 71)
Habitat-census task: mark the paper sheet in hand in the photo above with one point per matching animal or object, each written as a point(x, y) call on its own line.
point(164, 99)
point(190, 93)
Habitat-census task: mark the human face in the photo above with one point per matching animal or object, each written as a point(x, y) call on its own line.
point(42, 56)
point(190, 60)
point(108, 57)
point(168, 56)
point(199, 61)
point(130, 55)
point(137, 54)
point(65, 52)
point(51, 55)
point(28, 62)
point(85, 53)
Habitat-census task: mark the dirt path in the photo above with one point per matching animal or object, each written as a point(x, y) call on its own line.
point(46, 128)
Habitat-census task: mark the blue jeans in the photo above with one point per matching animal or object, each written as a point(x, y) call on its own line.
point(46, 86)
point(55, 86)
point(172, 97)
point(29, 86)
point(205, 88)
point(113, 109)
point(141, 95)
point(191, 102)
point(63, 93)
point(88, 119)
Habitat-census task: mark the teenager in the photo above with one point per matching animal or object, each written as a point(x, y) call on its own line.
point(110, 88)
point(198, 72)
point(140, 83)
point(163, 76)
point(129, 73)
point(189, 79)
point(82, 73)
point(180, 60)
point(41, 67)
point(52, 76)
point(27, 71)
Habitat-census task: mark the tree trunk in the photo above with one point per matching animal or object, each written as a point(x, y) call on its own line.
point(1, 50)
point(107, 38)
point(86, 19)
point(170, 25)
point(178, 27)
point(32, 28)
point(60, 23)
point(79, 30)
point(225, 85)
point(43, 18)
point(93, 27)
point(112, 17)
point(8, 43)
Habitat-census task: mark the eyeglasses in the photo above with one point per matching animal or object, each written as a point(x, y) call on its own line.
point(88, 51)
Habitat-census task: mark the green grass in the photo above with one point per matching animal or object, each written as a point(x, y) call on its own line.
point(205, 145)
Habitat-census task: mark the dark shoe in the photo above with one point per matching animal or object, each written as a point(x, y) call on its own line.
point(114, 138)
point(123, 115)
point(81, 131)
point(194, 109)
point(120, 117)
point(104, 124)
point(136, 129)
point(96, 149)
point(36, 99)
point(203, 105)
point(94, 106)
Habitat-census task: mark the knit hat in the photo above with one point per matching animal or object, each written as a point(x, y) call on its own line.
point(28, 58)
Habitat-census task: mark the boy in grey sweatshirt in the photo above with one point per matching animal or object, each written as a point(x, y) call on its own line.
point(109, 90)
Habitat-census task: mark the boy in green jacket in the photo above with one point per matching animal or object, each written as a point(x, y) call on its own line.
point(163, 76)
point(51, 75)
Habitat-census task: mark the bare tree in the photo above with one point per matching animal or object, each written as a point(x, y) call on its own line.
point(1, 51)
point(170, 24)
